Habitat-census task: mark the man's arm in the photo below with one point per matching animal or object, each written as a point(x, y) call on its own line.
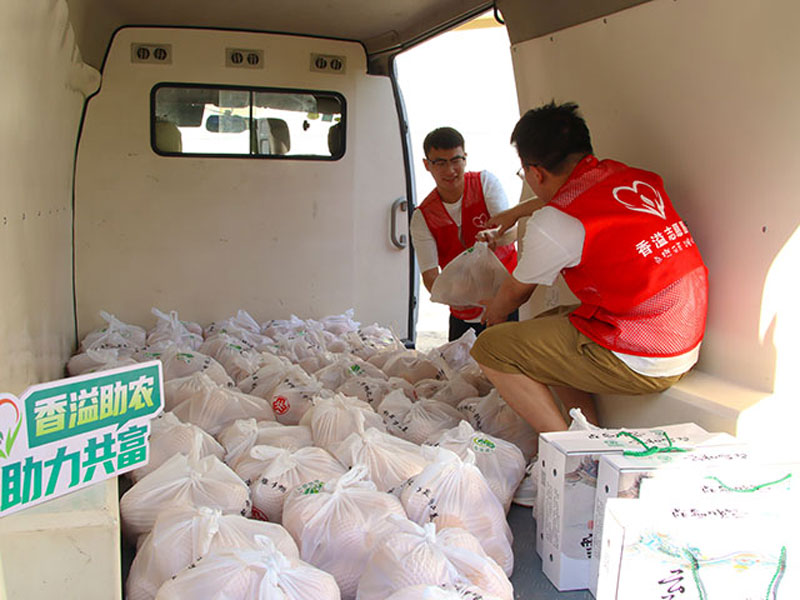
point(511, 295)
point(506, 219)
point(429, 276)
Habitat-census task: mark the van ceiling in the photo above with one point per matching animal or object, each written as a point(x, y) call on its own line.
point(384, 27)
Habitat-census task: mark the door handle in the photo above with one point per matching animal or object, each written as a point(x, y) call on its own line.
point(401, 241)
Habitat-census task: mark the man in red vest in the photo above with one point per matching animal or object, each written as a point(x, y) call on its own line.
point(623, 250)
point(451, 216)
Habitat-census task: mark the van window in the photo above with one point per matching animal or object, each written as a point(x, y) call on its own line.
point(253, 122)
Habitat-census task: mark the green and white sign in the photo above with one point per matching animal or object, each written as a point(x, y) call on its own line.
point(64, 435)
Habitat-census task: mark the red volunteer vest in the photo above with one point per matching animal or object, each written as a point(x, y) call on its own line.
point(473, 219)
point(641, 281)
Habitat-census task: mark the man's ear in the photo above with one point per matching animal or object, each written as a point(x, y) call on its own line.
point(427, 164)
point(538, 173)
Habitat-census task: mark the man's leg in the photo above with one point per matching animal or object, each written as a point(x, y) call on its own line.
point(572, 398)
point(528, 398)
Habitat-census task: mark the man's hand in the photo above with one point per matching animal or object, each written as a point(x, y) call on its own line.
point(502, 222)
point(490, 236)
point(491, 316)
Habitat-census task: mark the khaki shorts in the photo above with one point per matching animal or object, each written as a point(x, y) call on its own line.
point(549, 349)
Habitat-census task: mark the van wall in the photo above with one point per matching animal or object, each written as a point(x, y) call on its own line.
point(706, 95)
point(44, 87)
point(207, 236)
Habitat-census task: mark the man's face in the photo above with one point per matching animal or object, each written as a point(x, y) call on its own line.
point(447, 169)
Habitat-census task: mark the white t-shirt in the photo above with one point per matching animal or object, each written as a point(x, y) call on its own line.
point(425, 245)
point(554, 241)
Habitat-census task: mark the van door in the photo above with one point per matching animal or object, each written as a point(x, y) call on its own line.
point(223, 170)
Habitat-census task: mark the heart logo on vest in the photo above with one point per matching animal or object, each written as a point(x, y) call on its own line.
point(480, 221)
point(641, 197)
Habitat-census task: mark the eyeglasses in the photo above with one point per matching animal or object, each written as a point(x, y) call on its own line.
point(521, 170)
point(455, 161)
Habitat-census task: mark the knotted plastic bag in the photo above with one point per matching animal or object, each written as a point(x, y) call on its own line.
point(182, 481)
point(182, 535)
point(262, 574)
point(389, 460)
point(169, 328)
point(168, 437)
point(474, 275)
point(416, 421)
point(217, 408)
point(412, 554)
point(274, 472)
point(448, 491)
point(412, 366)
point(490, 414)
point(239, 437)
point(333, 419)
point(501, 462)
point(333, 525)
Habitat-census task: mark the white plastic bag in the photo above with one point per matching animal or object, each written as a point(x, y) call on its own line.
point(344, 368)
point(275, 472)
point(182, 535)
point(412, 554)
point(169, 328)
point(294, 395)
point(428, 388)
point(98, 359)
point(263, 574)
point(333, 526)
point(333, 419)
point(474, 275)
point(179, 363)
point(455, 390)
point(261, 383)
point(455, 354)
point(416, 421)
point(240, 436)
point(182, 482)
point(369, 389)
point(492, 415)
point(238, 360)
point(168, 437)
point(116, 334)
point(501, 462)
point(412, 366)
point(447, 493)
point(389, 460)
point(435, 592)
point(216, 409)
point(183, 388)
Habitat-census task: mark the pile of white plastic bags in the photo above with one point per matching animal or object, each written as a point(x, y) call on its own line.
point(315, 459)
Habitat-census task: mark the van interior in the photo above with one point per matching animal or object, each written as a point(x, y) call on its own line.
point(206, 157)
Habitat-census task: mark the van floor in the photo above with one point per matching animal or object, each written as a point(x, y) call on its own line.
point(528, 579)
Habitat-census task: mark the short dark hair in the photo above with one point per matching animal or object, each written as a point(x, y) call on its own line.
point(548, 135)
point(442, 138)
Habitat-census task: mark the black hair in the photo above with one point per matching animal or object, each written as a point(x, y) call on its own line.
point(548, 135)
point(443, 138)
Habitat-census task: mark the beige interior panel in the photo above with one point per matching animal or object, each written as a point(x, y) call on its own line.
point(41, 110)
point(207, 236)
point(707, 96)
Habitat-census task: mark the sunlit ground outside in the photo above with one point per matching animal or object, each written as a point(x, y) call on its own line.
point(462, 79)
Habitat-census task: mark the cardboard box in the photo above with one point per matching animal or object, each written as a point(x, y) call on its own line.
point(568, 494)
point(538, 507)
point(621, 476)
point(733, 549)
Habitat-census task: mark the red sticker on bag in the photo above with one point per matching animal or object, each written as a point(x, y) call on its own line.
point(280, 405)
